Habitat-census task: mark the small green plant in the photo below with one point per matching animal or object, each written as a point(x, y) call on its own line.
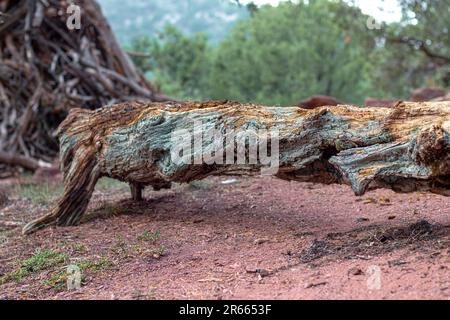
point(58, 280)
point(160, 251)
point(120, 247)
point(150, 236)
point(96, 266)
point(42, 259)
point(79, 248)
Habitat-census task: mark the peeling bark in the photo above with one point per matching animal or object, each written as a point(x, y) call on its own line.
point(405, 148)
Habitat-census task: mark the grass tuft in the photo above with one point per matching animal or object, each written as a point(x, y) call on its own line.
point(39, 194)
point(150, 236)
point(58, 280)
point(42, 259)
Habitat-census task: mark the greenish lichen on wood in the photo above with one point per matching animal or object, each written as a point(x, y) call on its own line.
point(406, 148)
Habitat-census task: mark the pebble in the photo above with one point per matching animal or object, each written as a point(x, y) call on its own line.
point(261, 241)
point(355, 272)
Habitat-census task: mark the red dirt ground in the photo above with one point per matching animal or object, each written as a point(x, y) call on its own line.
point(255, 238)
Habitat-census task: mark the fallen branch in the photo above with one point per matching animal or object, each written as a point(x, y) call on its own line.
point(405, 148)
point(24, 162)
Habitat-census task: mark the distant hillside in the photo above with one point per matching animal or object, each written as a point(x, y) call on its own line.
point(147, 17)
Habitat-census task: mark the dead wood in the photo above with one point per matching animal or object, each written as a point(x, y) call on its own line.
point(24, 162)
point(47, 69)
point(405, 148)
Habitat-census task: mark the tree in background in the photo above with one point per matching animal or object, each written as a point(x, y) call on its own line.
point(139, 52)
point(178, 64)
point(287, 53)
point(281, 55)
point(416, 51)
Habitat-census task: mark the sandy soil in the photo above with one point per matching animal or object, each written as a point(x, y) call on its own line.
point(255, 238)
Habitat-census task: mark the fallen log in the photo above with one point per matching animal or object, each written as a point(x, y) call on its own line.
point(406, 148)
point(24, 162)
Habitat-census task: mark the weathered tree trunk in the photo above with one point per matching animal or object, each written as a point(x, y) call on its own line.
point(405, 148)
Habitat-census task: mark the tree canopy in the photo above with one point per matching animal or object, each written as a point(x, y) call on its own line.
point(281, 55)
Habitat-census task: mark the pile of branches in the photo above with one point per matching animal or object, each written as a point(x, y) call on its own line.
point(46, 69)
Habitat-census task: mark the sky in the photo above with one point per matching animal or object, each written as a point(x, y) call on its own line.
point(382, 10)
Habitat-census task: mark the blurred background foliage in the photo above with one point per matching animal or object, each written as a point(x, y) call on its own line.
point(279, 55)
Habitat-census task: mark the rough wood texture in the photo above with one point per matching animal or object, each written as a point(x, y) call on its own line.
point(405, 148)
